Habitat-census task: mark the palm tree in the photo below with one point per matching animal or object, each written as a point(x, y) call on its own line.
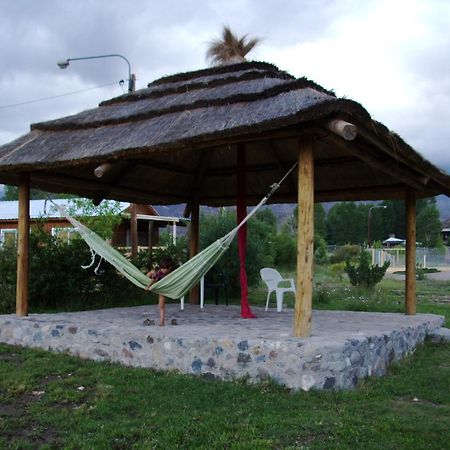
point(230, 49)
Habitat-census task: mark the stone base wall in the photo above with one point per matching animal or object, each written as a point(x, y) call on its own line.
point(315, 363)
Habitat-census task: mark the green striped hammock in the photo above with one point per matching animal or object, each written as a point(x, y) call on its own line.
point(177, 283)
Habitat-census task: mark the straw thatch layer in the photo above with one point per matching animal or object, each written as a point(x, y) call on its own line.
point(175, 141)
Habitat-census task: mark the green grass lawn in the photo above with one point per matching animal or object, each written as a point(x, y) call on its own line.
point(56, 401)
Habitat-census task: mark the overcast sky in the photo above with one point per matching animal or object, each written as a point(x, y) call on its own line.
point(392, 56)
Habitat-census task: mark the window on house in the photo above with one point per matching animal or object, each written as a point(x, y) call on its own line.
point(66, 234)
point(8, 237)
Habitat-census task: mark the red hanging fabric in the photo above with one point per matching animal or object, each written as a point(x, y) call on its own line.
point(246, 312)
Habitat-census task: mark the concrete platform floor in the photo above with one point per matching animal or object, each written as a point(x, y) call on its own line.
point(216, 342)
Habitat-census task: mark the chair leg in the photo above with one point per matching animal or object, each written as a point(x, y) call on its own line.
point(202, 292)
point(182, 303)
point(267, 302)
point(279, 301)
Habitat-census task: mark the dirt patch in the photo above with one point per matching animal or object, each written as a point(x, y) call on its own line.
point(33, 434)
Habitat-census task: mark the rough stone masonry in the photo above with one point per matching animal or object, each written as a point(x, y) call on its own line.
point(216, 342)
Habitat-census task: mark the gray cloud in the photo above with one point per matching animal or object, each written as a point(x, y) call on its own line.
point(161, 38)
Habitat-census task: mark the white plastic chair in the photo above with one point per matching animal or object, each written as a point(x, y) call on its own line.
point(272, 278)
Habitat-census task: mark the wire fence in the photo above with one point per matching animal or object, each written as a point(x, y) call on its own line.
point(425, 257)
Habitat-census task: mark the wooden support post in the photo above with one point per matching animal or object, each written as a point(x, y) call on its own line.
point(23, 246)
point(305, 239)
point(133, 230)
point(410, 260)
point(193, 245)
point(150, 236)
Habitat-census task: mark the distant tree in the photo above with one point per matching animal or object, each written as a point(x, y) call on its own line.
point(229, 49)
point(102, 219)
point(266, 215)
point(347, 223)
point(390, 221)
point(12, 193)
point(429, 225)
point(319, 221)
point(320, 227)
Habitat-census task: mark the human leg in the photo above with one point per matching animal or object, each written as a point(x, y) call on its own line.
point(162, 310)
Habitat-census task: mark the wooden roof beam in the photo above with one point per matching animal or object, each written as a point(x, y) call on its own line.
point(392, 191)
point(92, 189)
point(400, 173)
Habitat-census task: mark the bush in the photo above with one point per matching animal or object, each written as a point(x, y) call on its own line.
point(8, 263)
point(344, 253)
point(320, 250)
point(285, 249)
point(57, 281)
point(365, 275)
point(178, 252)
point(337, 270)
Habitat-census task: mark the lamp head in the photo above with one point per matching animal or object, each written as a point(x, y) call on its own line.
point(63, 64)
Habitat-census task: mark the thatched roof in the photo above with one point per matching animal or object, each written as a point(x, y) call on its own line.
point(176, 140)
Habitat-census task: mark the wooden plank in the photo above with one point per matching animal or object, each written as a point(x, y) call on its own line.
point(23, 246)
point(410, 278)
point(194, 228)
point(305, 239)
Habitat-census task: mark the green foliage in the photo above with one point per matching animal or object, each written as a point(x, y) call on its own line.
point(338, 269)
point(178, 252)
point(365, 274)
point(320, 249)
point(12, 193)
point(259, 245)
point(285, 249)
point(8, 263)
point(57, 281)
point(102, 219)
point(429, 226)
point(344, 253)
point(319, 220)
point(347, 223)
point(320, 227)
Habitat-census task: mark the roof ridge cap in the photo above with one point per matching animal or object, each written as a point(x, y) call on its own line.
point(184, 76)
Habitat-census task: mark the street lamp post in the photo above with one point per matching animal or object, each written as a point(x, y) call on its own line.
point(369, 243)
point(131, 77)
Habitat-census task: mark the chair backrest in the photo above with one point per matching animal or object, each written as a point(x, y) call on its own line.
point(215, 277)
point(271, 277)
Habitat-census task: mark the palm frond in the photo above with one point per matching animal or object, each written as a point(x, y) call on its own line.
point(229, 48)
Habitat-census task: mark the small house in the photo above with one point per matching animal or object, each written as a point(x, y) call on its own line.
point(149, 223)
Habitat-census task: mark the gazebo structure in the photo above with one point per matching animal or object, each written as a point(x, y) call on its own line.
point(179, 140)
